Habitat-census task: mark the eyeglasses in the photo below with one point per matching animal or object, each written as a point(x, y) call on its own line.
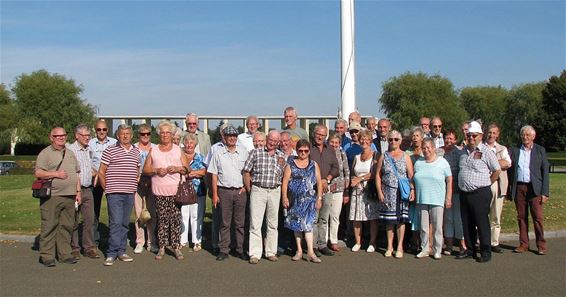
point(303, 151)
point(320, 134)
point(59, 135)
point(191, 124)
point(85, 135)
point(145, 134)
point(393, 139)
point(437, 126)
point(472, 135)
point(165, 132)
point(101, 129)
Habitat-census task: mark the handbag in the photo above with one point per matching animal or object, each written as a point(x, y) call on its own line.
point(41, 188)
point(185, 192)
point(404, 187)
point(145, 216)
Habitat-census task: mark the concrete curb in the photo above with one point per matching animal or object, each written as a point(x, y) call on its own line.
point(504, 237)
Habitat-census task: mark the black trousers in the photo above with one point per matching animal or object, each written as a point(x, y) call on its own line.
point(474, 209)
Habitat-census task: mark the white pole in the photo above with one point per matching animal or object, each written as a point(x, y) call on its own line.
point(348, 88)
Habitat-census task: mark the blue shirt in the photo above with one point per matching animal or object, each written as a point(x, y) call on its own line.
point(97, 147)
point(523, 166)
point(430, 181)
point(352, 149)
point(198, 164)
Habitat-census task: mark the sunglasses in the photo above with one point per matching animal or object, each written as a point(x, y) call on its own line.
point(303, 151)
point(437, 126)
point(101, 129)
point(393, 139)
point(191, 124)
point(59, 135)
point(472, 135)
point(354, 131)
point(145, 134)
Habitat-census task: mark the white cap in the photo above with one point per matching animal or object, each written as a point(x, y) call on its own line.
point(475, 127)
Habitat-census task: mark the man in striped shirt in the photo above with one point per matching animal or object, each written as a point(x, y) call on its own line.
point(118, 176)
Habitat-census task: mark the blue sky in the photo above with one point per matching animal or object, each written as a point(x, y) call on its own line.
point(256, 57)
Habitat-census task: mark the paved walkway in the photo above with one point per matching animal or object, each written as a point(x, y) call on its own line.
point(346, 274)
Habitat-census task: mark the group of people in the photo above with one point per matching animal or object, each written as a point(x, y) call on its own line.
point(280, 190)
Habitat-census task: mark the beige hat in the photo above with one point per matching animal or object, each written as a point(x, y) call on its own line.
point(355, 126)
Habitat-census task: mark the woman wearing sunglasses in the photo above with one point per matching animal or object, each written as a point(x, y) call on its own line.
point(393, 212)
point(302, 185)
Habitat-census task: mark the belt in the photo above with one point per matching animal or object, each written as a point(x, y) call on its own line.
point(229, 188)
point(83, 187)
point(270, 188)
point(522, 183)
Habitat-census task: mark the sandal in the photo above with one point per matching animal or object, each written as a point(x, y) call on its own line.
point(178, 254)
point(298, 256)
point(388, 253)
point(160, 254)
point(314, 259)
point(399, 254)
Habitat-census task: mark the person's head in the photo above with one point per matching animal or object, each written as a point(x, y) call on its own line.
point(492, 133)
point(383, 127)
point(124, 134)
point(465, 126)
point(58, 137)
point(190, 141)
point(335, 140)
point(192, 122)
point(177, 135)
point(252, 124)
point(101, 129)
point(475, 134)
point(144, 133)
point(221, 131)
point(429, 148)
point(354, 117)
point(230, 136)
point(371, 124)
point(273, 138)
point(303, 149)
point(436, 124)
point(424, 122)
point(417, 136)
point(290, 116)
point(528, 135)
point(82, 134)
point(320, 134)
point(450, 138)
point(341, 126)
point(165, 129)
point(394, 139)
point(355, 129)
point(285, 141)
point(258, 139)
point(365, 139)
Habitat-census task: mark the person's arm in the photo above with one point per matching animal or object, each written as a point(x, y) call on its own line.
point(247, 181)
point(78, 196)
point(214, 188)
point(380, 195)
point(43, 174)
point(410, 174)
point(284, 185)
point(448, 199)
point(318, 187)
point(545, 176)
point(102, 175)
point(148, 165)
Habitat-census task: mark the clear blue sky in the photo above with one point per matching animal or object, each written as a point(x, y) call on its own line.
point(256, 57)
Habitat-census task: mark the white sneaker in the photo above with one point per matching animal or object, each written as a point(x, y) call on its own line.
point(370, 249)
point(437, 256)
point(422, 254)
point(138, 249)
point(109, 261)
point(356, 247)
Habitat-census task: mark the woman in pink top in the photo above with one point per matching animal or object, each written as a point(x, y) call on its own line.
point(165, 164)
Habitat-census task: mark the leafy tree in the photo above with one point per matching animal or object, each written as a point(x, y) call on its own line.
point(553, 116)
point(45, 100)
point(410, 96)
point(485, 102)
point(7, 114)
point(524, 104)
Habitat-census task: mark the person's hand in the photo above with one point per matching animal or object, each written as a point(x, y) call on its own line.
point(380, 196)
point(543, 199)
point(285, 203)
point(448, 203)
point(215, 200)
point(161, 172)
point(242, 190)
point(355, 181)
point(172, 169)
point(346, 200)
point(78, 198)
point(318, 203)
point(61, 174)
point(412, 195)
point(324, 186)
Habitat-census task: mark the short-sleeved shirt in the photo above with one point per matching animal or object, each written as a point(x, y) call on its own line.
point(49, 158)
point(246, 140)
point(123, 168)
point(97, 147)
point(476, 167)
point(266, 170)
point(228, 166)
point(298, 132)
point(430, 181)
point(166, 185)
point(84, 157)
point(453, 158)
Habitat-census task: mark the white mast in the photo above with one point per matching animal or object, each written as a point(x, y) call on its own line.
point(348, 88)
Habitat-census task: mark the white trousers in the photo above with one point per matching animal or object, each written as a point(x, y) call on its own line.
point(191, 219)
point(335, 201)
point(431, 214)
point(264, 203)
point(495, 210)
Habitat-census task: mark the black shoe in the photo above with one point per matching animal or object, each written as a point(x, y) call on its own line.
point(325, 251)
point(465, 254)
point(70, 260)
point(484, 258)
point(242, 256)
point(48, 263)
point(317, 253)
point(221, 256)
point(497, 249)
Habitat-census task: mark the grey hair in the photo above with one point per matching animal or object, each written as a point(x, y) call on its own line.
point(178, 131)
point(80, 127)
point(260, 134)
point(163, 123)
point(427, 140)
point(343, 121)
point(190, 136)
point(417, 129)
point(527, 128)
point(393, 132)
point(123, 127)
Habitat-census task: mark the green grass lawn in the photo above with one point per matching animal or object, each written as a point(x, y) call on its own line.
point(19, 212)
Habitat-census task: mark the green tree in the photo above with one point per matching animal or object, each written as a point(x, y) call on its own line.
point(485, 102)
point(524, 104)
point(410, 96)
point(552, 119)
point(44, 100)
point(7, 114)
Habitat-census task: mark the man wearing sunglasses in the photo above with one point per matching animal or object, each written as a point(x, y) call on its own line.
point(97, 145)
point(436, 132)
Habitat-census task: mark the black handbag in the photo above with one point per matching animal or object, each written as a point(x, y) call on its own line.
point(41, 188)
point(185, 192)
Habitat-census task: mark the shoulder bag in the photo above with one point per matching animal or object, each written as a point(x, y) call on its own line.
point(404, 187)
point(41, 188)
point(185, 192)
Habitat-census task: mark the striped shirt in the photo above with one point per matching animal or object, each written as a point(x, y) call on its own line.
point(84, 156)
point(476, 167)
point(266, 170)
point(123, 168)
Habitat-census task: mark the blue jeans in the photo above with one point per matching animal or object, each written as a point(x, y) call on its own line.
point(119, 210)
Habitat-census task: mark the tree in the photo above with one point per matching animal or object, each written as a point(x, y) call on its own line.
point(553, 118)
point(485, 102)
point(7, 114)
point(524, 104)
point(410, 96)
point(46, 100)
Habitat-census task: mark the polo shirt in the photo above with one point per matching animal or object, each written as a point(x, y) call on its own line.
point(49, 158)
point(123, 168)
